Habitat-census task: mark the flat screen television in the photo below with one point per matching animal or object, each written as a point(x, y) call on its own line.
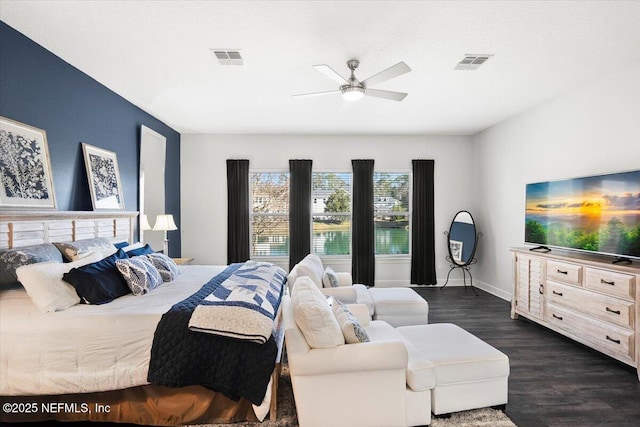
point(599, 214)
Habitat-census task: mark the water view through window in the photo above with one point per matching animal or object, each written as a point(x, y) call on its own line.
point(331, 213)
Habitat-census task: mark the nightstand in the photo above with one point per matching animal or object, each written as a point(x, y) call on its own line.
point(182, 261)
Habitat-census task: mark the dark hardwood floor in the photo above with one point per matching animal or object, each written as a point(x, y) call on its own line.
point(554, 381)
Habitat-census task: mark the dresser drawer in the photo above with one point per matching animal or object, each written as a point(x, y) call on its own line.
point(565, 272)
point(602, 336)
point(610, 282)
point(613, 310)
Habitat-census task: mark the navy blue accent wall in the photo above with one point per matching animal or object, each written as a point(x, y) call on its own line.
point(42, 90)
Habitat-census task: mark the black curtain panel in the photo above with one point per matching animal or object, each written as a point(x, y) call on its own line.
point(423, 252)
point(363, 260)
point(238, 211)
point(299, 210)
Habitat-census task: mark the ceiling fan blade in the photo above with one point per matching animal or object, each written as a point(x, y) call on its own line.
point(394, 71)
point(331, 73)
point(314, 94)
point(386, 94)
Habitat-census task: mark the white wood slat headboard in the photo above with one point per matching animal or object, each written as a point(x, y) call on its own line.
point(25, 228)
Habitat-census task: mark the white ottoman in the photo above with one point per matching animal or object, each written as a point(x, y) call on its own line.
point(469, 372)
point(399, 306)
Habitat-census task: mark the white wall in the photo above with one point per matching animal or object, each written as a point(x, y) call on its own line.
point(204, 183)
point(591, 130)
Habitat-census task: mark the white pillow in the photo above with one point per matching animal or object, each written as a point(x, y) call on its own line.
point(44, 285)
point(136, 245)
point(311, 266)
point(351, 329)
point(330, 278)
point(313, 315)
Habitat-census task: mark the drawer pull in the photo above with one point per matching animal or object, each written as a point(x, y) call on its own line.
point(612, 340)
point(612, 283)
point(613, 311)
point(541, 289)
point(560, 318)
point(562, 272)
point(557, 293)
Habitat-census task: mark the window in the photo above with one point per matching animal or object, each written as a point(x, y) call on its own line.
point(391, 213)
point(269, 213)
point(331, 213)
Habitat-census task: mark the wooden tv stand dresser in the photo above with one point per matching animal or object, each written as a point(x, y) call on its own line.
point(581, 296)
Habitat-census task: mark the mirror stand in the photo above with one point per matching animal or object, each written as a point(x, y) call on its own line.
point(466, 267)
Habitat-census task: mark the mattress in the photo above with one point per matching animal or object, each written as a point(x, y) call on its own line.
point(85, 348)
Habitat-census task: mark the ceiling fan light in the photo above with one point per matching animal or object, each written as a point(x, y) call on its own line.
point(352, 93)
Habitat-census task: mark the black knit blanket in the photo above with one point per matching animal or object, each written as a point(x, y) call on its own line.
point(180, 357)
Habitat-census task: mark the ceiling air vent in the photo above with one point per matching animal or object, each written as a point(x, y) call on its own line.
point(228, 57)
point(472, 61)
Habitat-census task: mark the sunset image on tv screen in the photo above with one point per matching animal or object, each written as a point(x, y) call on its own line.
point(597, 214)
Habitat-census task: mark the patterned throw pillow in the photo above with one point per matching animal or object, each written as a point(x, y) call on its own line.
point(12, 259)
point(330, 278)
point(72, 251)
point(351, 329)
point(165, 265)
point(141, 276)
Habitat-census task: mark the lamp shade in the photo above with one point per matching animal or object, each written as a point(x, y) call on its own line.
point(164, 223)
point(144, 222)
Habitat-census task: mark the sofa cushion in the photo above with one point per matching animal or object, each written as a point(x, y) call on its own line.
point(311, 266)
point(314, 316)
point(352, 330)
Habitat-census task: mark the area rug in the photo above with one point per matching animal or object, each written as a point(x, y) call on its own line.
point(477, 418)
point(287, 413)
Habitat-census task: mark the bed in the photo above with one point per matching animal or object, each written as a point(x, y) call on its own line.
point(91, 362)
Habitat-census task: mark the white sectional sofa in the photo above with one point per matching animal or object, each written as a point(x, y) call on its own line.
point(397, 378)
point(396, 306)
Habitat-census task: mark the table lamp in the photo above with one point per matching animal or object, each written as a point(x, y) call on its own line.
point(165, 223)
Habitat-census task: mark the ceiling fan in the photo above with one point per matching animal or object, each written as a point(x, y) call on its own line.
point(352, 89)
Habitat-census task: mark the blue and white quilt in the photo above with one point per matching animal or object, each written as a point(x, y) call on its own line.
point(244, 306)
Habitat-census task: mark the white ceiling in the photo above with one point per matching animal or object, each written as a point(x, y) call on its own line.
point(156, 54)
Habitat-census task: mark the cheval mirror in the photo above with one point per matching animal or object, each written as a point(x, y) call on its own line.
point(462, 242)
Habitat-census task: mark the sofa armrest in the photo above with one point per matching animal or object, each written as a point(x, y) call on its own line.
point(361, 312)
point(349, 358)
point(347, 295)
point(344, 279)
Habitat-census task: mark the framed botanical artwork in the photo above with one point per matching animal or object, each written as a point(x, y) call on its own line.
point(25, 167)
point(456, 250)
point(104, 178)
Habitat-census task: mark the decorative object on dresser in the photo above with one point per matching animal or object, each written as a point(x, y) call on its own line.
point(104, 178)
point(583, 297)
point(25, 167)
point(462, 241)
point(165, 223)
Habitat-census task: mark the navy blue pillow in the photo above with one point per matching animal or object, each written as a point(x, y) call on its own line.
point(99, 282)
point(121, 245)
point(145, 250)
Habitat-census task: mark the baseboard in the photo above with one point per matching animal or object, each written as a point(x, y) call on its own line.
point(500, 293)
